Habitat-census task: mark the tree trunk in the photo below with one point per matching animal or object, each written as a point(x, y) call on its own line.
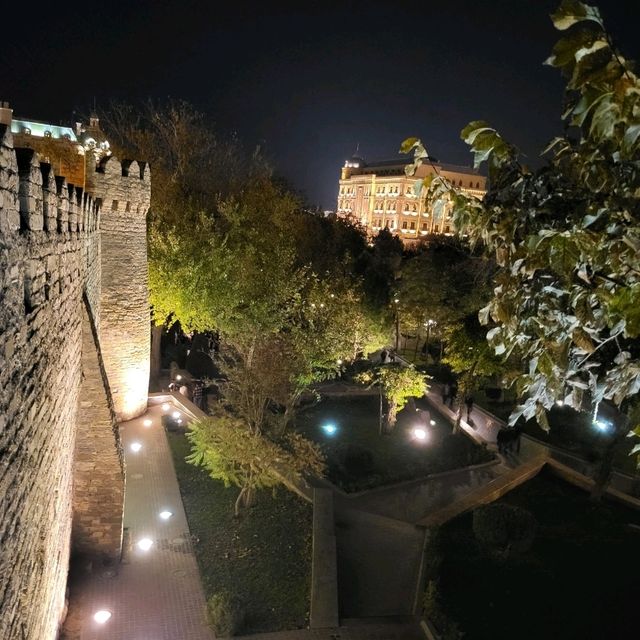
point(156, 339)
point(239, 503)
point(392, 415)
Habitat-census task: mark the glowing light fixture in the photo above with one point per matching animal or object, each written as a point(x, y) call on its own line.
point(147, 422)
point(559, 402)
point(432, 422)
point(339, 361)
point(178, 377)
point(602, 425)
point(135, 447)
point(165, 515)
point(102, 616)
point(175, 414)
point(145, 544)
point(179, 420)
point(329, 429)
point(165, 406)
point(419, 434)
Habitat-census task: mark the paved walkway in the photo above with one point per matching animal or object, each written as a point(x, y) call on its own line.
point(156, 594)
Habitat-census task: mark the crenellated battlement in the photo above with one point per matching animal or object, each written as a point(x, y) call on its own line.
point(35, 199)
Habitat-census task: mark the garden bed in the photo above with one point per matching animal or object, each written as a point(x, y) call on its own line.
point(263, 558)
point(578, 580)
point(359, 458)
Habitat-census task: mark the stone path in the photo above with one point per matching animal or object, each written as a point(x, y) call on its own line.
point(375, 631)
point(157, 593)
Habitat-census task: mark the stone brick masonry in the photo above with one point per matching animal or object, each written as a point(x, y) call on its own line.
point(61, 338)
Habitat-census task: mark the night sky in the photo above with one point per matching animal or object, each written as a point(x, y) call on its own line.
point(307, 81)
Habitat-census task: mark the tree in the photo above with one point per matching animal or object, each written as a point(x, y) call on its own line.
point(567, 237)
point(241, 457)
point(397, 384)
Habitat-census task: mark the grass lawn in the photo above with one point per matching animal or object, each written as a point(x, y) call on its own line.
point(578, 581)
point(359, 458)
point(263, 558)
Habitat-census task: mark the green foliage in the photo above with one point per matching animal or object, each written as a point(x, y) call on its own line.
point(433, 611)
point(225, 614)
point(398, 383)
point(567, 236)
point(232, 453)
point(504, 530)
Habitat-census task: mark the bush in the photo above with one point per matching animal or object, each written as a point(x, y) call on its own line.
point(358, 460)
point(225, 614)
point(504, 530)
point(432, 609)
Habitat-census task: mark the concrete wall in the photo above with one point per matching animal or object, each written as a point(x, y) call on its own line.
point(52, 389)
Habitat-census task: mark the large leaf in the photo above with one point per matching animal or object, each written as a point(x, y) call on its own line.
point(571, 12)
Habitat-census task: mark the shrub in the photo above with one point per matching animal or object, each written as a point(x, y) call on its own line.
point(504, 530)
point(358, 460)
point(225, 614)
point(447, 629)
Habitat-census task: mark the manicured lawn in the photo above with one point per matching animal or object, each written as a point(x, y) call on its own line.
point(263, 558)
point(578, 581)
point(359, 458)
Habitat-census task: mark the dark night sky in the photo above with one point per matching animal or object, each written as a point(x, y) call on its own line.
point(308, 81)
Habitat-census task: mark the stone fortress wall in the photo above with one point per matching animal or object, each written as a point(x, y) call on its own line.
point(70, 323)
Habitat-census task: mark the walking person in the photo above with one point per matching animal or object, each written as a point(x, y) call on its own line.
point(383, 356)
point(446, 390)
point(469, 402)
point(453, 392)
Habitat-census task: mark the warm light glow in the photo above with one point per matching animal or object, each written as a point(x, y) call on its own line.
point(165, 406)
point(339, 361)
point(147, 422)
point(179, 420)
point(135, 447)
point(135, 394)
point(175, 414)
point(165, 515)
point(101, 616)
point(329, 429)
point(178, 377)
point(145, 544)
point(559, 402)
point(419, 434)
point(432, 422)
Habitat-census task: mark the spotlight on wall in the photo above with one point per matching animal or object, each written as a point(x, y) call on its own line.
point(165, 515)
point(145, 544)
point(175, 414)
point(102, 616)
point(147, 422)
point(135, 447)
point(420, 434)
point(165, 406)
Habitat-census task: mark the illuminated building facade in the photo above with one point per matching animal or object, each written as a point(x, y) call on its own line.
point(380, 195)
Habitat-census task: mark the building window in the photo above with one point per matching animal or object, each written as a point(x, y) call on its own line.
point(424, 226)
point(406, 207)
point(436, 228)
point(414, 209)
point(128, 207)
point(446, 229)
point(114, 205)
point(404, 224)
point(413, 225)
point(477, 185)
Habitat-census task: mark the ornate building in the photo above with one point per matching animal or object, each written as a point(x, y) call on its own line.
point(380, 195)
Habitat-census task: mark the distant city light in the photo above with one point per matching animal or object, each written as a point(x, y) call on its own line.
point(165, 515)
point(102, 616)
point(396, 300)
point(145, 544)
point(135, 447)
point(329, 429)
point(419, 434)
point(165, 406)
point(147, 422)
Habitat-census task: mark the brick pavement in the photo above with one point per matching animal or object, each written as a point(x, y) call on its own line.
point(156, 594)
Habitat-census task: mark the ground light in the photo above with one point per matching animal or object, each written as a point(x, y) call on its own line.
point(165, 406)
point(432, 422)
point(175, 414)
point(419, 434)
point(102, 616)
point(165, 515)
point(178, 377)
point(135, 447)
point(145, 544)
point(560, 403)
point(147, 422)
point(329, 429)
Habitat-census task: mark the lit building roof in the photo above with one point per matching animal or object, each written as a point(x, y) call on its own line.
point(42, 129)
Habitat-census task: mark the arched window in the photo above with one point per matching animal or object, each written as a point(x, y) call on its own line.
point(477, 185)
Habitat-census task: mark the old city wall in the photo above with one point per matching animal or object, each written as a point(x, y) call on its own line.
point(124, 190)
point(60, 454)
